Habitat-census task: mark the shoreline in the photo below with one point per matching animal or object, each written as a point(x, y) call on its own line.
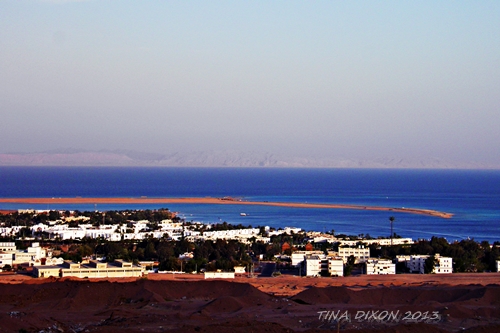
point(220, 201)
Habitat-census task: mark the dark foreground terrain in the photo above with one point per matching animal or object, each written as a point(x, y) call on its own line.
point(224, 306)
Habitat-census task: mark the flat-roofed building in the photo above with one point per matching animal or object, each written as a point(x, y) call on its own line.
point(335, 266)
point(379, 241)
point(322, 265)
point(7, 246)
point(403, 258)
point(47, 271)
point(312, 265)
point(380, 267)
point(360, 253)
point(33, 255)
point(91, 269)
point(416, 263)
point(443, 265)
point(218, 275)
point(6, 259)
point(297, 257)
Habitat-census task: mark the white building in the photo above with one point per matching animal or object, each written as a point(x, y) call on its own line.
point(239, 269)
point(444, 265)
point(64, 232)
point(241, 234)
point(297, 257)
point(336, 266)
point(379, 267)
point(403, 258)
point(360, 253)
point(416, 264)
point(324, 239)
point(33, 255)
point(379, 241)
point(312, 265)
point(104, 232)
point(7, 246)
point(287, 230)
point(318, 264)
point(6, 231)
point(219, 275)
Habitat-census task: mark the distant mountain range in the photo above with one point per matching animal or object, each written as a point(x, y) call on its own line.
point(71, 157)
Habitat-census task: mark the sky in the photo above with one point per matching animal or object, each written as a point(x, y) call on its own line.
point(323, 79)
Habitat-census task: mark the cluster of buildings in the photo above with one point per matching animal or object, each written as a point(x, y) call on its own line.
point(416, 263)
point(310, 263)
point(317, 263)
point(138, 230)
point(133, 230)
point(44, 265)
point(31, 256)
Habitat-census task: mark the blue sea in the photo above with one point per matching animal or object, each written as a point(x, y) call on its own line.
point(472, 195)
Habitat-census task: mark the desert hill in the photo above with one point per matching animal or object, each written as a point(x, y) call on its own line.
point(68, 305)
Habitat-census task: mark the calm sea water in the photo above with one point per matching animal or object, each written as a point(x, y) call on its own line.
point(473, 196)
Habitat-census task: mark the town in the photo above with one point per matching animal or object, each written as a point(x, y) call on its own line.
point(133, 243)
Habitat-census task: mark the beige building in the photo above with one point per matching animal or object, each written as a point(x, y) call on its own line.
point(361, 253)
point(7, 250)
point(91, 269)
point(6, 259)
point(33, 255)
point(7, 246)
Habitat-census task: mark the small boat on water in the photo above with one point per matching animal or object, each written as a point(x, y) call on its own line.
point(243, 214)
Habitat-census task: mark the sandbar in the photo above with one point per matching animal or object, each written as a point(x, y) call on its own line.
point(220, 201)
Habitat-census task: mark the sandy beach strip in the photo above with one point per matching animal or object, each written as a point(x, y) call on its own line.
point(218, 201)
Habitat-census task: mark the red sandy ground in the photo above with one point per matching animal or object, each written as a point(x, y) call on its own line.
point(187, 303)
point(219, 201)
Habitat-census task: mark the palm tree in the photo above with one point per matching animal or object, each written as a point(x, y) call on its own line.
point(391, 219)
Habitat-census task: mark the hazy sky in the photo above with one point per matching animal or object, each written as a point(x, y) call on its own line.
point(359, 79)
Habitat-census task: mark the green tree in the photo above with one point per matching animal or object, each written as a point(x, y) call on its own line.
point(429, 264)
point(85, 250)
point(54, 215)
point(349, 265)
